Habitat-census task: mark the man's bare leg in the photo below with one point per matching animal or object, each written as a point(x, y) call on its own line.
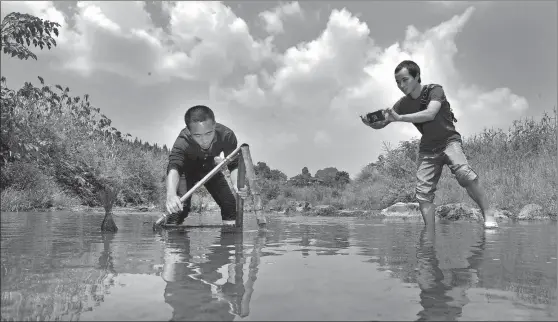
point(477, 193)
point(428, 212)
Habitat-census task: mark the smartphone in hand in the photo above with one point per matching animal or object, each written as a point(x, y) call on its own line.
point(375, 116)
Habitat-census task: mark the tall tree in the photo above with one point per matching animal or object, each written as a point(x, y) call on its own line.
point(19, 30)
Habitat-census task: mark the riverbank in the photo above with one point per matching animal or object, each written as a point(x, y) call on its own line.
point(400, 210)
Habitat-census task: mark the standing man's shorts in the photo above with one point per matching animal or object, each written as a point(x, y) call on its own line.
point(430, 165)
point(217, 186)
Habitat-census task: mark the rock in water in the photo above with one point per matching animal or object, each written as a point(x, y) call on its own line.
point(108, 197)
point(109, 224)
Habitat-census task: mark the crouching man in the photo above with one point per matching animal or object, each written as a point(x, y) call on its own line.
point(194, 154)
point(427, 108)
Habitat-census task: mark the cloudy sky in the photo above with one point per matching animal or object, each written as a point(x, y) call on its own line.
point(291, 78)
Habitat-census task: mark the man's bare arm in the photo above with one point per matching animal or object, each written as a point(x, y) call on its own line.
point(172, 182)
point(173, 201)
point(423, 116)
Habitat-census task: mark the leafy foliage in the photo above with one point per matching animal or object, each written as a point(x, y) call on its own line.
point(331, 177)
point(19, 31)
point(72, 141)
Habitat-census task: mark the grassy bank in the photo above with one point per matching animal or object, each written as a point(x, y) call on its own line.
point(58, 151)
point(516, 166)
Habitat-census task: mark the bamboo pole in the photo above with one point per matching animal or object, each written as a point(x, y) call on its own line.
point(259, 243)
point(255, 189)
point(556, 159)
point(241, 183)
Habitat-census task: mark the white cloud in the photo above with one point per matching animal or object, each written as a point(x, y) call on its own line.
point(119, 37)
point(250, 94)
point(129, 14)
point(273, 19)
point(210, 35)
point(313, 73)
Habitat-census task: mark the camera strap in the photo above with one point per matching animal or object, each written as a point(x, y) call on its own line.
point(425, 99)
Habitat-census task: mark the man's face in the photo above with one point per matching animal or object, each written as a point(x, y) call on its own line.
point(203, 132)
point(405, 81)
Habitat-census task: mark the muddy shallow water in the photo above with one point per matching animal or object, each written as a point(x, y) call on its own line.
point(59, 266)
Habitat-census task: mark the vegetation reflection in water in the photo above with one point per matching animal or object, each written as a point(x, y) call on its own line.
point(58, 266)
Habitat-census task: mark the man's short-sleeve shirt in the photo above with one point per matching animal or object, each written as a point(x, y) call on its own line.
point(438, 132)
point(187, 156)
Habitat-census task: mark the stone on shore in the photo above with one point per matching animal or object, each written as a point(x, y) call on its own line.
point(532, 211)
point(402, 209)
point(458, 211)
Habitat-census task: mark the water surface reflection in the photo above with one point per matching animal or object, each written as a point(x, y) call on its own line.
point(59, 266)
point(204, 272)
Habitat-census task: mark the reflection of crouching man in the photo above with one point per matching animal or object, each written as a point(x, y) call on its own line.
point(428, 109)
point(192, 261)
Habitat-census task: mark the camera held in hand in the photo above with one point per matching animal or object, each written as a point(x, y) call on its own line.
point(375, 116)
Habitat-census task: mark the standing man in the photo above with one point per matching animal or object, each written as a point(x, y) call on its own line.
point(440, 143)
point(194, 154)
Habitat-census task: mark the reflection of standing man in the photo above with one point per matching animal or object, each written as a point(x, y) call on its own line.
point(429, 278)
point(434, 296)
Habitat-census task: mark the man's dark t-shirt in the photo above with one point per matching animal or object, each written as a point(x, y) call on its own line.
point(188, 157)
point(437, 133)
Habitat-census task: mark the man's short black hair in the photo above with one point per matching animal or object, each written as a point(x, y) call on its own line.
point(411, 66)
point(198, 113)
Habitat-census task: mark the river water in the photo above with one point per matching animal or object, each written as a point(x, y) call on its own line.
point(59, 266)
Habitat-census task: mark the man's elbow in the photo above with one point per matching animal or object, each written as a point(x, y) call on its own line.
point(430, 115)
point(173, 168)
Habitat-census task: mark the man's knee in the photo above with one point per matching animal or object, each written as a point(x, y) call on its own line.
point(425, 192)
point(424, 197)
point(222, 194)
point(464, 175)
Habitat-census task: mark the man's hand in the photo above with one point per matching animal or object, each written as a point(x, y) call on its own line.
point(376, 125)
point(364, 120)
point(392, 116)
point(173, 204)
point(242, 192)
